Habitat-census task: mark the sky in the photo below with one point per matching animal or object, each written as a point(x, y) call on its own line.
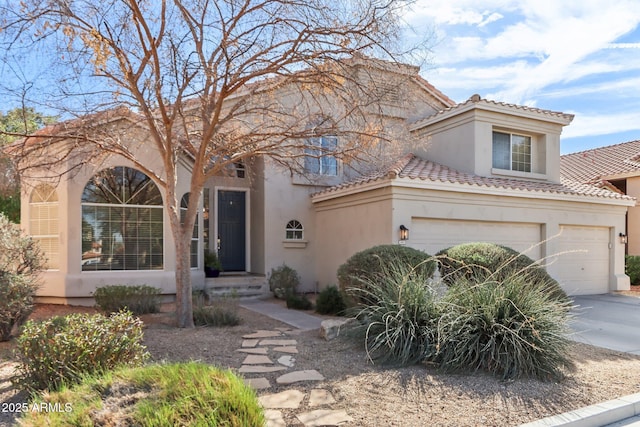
point(580, 57)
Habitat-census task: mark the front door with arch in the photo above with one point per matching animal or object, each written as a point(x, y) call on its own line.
point(232, 231)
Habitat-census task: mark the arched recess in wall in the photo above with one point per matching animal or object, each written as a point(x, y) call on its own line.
point(44, 223)
point(122, 222)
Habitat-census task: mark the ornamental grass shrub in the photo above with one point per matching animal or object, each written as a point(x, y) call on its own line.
point(220, 311)
point(21, 261)
point(507, 328)
point(138, 299)
point(167, 395)
point(480, 262)
point(62, 350)
point(372, 264)
point(398, 316)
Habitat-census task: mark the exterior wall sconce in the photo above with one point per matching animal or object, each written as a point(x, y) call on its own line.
point(624, 239)
point(404, 233)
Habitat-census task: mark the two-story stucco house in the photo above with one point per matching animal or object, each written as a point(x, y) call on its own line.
point(476, 171)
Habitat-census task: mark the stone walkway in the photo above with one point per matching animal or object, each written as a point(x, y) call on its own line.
point(271, 356)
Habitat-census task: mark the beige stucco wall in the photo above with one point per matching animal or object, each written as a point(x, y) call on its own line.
point(349, 225)
point(373, 217)
point(464, 142)
point(633, 217)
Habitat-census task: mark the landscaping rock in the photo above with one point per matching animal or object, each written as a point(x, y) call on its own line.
point(297, 376)
point(289, 399)
point(330, 328)
point(324, 417)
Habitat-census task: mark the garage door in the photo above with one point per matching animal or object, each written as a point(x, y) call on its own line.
point(583, 262)
point(432, 235)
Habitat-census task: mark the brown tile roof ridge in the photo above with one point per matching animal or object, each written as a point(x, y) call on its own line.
point(477, 99)
point(598, 163)
point(413, 167)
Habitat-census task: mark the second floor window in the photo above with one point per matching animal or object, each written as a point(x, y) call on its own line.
point(294, 230)
point(511, 152)
point(321, 160)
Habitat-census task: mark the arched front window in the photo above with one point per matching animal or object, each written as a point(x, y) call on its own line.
point(184, 204)
point(122, 222)
point(43, 222)
point(294, 230)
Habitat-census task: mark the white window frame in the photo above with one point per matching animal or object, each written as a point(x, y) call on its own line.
point(296, 228)
point(322, 158)
point(49, 201)
point(513, 161)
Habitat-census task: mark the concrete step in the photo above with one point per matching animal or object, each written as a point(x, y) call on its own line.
point(241, 285)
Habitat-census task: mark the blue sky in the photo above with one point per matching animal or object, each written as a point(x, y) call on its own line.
point(576, 56)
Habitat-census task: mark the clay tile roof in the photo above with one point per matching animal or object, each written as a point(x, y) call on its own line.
point(415, 168)
point(596, 165)
point(477, 100)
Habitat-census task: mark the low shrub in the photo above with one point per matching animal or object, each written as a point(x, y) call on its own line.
point(183, 394)
point(61, 350)
point(480, 262)
point(138, 299)
point(507, 328)
point(299, 302)
point(222, 311)
point(398, 321)
point(372, 264)
point(283, 281)
point(632, 268)
point(21, 261)
point(330, 301)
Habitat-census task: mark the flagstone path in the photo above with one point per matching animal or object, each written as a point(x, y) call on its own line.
point(272, 353)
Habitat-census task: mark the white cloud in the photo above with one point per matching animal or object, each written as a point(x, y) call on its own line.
point(593, 125)
point(555, 38)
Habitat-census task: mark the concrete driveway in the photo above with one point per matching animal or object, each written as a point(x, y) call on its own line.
point(610, 321)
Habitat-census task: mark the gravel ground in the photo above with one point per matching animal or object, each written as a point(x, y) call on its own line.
point(376, 396)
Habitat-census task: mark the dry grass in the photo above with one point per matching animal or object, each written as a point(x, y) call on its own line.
point(374, 396)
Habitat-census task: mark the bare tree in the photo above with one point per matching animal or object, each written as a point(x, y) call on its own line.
point(215, 81)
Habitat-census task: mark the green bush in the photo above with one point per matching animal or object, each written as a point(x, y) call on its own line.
point(61, 350)
point(632, 268)
point(21, 260)
point(506, 328)
point(221, 311)
point(283, 281)
point(398, 321)
point(184, 394)
point(138, 299)
point(480, 262)
point(299, 302)
point(330, 301)
point(372, 264)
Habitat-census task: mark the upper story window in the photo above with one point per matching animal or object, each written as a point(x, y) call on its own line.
point(122, 222)
point(43, 222)
point(294, 230)
point(511, 151)
point(321, 160)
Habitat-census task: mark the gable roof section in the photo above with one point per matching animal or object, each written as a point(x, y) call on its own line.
point(476, 102)
point(414, 168)
point(597, 165)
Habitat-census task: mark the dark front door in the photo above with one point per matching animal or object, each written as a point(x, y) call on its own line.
point(231, 230)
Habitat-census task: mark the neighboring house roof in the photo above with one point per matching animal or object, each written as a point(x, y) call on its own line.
point(475, 101)
point(598, 165)
point(412, 167)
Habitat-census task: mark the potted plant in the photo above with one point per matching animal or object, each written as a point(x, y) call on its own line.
point(212, 266)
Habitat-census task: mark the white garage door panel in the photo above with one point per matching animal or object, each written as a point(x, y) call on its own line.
point(583, 259)
point(432, 235)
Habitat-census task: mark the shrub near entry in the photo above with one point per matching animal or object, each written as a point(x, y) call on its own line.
point(138, 299)
point(62, 350)
point(480, 262)
point(372, 264)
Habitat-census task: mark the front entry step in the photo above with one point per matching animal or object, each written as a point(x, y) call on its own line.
point(245, 286)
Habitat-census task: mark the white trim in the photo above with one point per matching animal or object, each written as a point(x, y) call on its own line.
point(247, 219)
